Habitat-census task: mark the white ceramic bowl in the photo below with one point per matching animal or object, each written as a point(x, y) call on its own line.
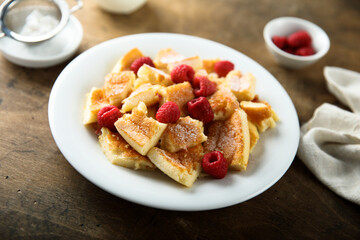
point(121, 6)
point(285, 26)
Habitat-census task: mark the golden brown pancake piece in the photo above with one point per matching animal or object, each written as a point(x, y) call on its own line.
point(223, 103)
point(118, 86)
point(166, 56)
point(148, 74)
point(183, 134)
point(260, 113)
point(183, 166)
point(147, 94)
point(254, 135)
point(178, 93)
point(242, 86)
point(208, 64)
point(140, 131)
point(194, 62)
point(125, 62)
point(231, 137)
point(119, 152)
point(95, 100)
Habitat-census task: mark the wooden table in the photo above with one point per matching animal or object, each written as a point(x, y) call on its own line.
point(43, 197)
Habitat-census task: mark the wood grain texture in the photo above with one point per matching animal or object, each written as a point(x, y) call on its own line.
point(43, 197)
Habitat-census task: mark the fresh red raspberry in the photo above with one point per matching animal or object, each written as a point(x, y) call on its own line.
point(182, 73)
point(289, 50)
point(169, 112)
point(199, 108)
point(203, 87)
point(107, 116)
point(299, 39)
point(304, 51)
point(141, 61)
point(215, 164)
point(280, 41)
point(222, 68)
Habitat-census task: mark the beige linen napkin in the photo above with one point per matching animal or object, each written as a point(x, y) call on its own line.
point(330, 140)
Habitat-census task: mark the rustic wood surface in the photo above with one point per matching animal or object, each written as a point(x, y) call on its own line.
point(43, 197)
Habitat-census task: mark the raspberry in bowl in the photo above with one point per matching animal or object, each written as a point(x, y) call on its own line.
point(294, 42)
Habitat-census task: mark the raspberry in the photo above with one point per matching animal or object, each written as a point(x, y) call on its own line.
point(299, 39)
point(280, 41)
point(199, 108)
point(169, 112)
point(182, 73)
point(107, 116)
point(223, 67)
point(304, 51)
point(289, 50)
point(141, 61)
point(215, 164)
point(203, 87)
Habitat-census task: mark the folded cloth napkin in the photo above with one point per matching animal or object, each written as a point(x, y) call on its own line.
point(330, 140)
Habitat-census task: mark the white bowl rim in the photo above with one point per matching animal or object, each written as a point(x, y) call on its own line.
point(316, 56)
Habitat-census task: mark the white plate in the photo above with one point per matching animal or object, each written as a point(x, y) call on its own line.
point(269, 161)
